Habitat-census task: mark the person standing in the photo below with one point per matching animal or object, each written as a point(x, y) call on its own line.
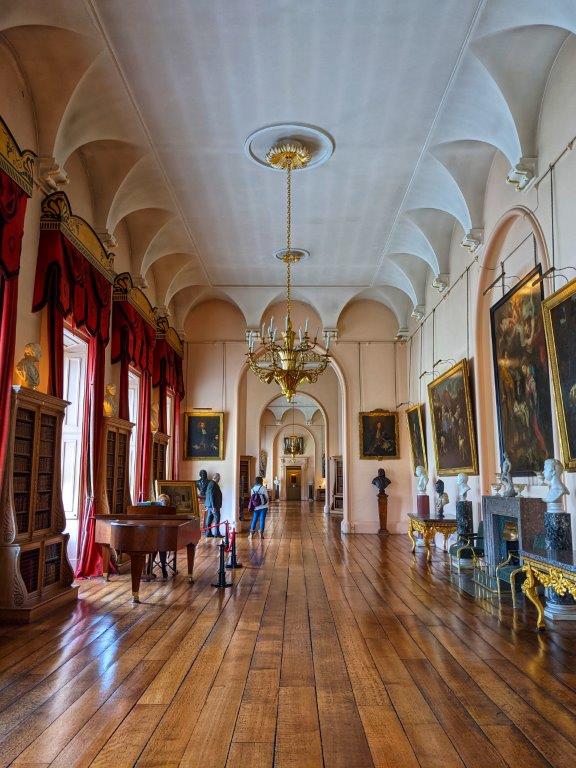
point(201, 486)
point(213, 506)
point(259, 501)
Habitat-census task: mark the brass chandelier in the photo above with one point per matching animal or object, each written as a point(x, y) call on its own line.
point(290, 360)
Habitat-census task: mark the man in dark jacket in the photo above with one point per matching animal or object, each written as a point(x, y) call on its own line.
point(214, 505)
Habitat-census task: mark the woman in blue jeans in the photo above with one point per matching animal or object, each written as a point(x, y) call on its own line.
point(259, 504)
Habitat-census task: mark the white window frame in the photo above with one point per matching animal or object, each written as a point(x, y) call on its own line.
point(75, 388)
point(134, 392)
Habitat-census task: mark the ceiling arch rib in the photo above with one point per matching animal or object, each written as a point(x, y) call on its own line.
point(170, 238)
point(86, 118)
point(507, 14)
point(392, 274)
point(188, 276)
point(56, 13)
point(415, 270)
point(392, 298)
point(409, 238)
point(142, 187)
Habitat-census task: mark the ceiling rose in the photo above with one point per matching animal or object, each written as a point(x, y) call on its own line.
point(317, 143)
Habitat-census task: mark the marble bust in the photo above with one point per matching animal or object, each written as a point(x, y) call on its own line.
point(381, 482)
point(463, 487)
point(27, 368)
point(422, 480)
point(553, 470)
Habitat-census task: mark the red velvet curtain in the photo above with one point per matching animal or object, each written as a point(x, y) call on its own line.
point(176, 450)
point(90, 553)
point(133, 342)
point(71, 287)
point(12, 210)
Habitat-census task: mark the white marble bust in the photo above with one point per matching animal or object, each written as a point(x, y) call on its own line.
point(553, 470)
point(27, 368)
point(463, 487)
point(422, 481)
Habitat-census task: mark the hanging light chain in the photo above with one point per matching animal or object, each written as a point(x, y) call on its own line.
point(288, 237)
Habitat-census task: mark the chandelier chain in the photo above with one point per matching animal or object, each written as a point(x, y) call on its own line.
point(288, 237)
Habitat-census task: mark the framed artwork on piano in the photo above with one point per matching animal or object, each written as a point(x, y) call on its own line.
point(182, 494)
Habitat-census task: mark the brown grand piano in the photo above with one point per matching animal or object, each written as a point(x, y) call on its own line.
point(150, 529)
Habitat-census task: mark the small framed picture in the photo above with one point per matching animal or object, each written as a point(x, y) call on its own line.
point(379, 435)
point(203, 435)
point(182, 494)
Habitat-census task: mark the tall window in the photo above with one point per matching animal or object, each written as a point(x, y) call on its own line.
point(133, 409)
point(75, 365)
point(169, 431)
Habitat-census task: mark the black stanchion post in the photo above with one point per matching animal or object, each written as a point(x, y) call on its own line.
point(222, 583)
point(233, 561)
point(226, 539)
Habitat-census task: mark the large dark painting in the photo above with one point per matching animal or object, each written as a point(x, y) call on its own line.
point(204, 435)
point(560, 324)
point(415, 417)
point(522, 379)
point(452, 422)
point(379, 435)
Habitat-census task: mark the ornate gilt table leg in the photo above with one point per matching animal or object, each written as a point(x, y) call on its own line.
point(411, 535)
point(428, 535)
point(530, 589)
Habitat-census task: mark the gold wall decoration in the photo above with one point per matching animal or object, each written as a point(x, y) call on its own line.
point(559, 312)
point(125, 290)
point(17, 163)
point(57, 214)
point(165, 331)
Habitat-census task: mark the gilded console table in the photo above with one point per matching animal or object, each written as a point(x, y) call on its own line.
point(556, 570)
point(429, 526)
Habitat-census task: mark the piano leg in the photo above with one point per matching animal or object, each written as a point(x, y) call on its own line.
point(137, 561)
point(191, 551)
point(106, 561)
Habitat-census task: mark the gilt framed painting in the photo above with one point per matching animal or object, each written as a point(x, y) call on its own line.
point(453, 432)
point(182, 494)
point(415, 418)
point(523, 402)
point(559, 312)
point(203, 435)
point(379, 435)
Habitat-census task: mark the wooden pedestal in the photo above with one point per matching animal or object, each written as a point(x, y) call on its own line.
point(383, 514)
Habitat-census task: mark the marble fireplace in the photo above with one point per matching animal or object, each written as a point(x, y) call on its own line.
point(500, 515)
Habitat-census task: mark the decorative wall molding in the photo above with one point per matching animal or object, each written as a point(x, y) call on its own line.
point(441, 282)
point(418, 312)
point(165, 331)
point(57, 214)
point(125, 290)
point(402, 334)
point(107, 238)
point(473, 239)
point(51, 177)
point(17, 163)
point(523, 174)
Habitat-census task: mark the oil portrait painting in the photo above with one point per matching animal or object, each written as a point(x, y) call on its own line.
point(453, 432)
point(522, 380)
point(560, 324)
point(415, 418)
point(379, 435)
point(204, 435)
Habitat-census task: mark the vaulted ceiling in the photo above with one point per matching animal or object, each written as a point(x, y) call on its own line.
point(158, 98)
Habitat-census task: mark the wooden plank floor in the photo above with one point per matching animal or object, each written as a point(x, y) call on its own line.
point(328, 651)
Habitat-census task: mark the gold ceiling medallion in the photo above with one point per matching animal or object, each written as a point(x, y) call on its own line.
point(291, 360)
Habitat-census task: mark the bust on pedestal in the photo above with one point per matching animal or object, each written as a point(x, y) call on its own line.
point(463, 506)
point(441, 498)
point(558, 536)
point(382, 482)
point(422, 499)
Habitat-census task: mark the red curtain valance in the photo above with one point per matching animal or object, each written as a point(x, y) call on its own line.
point(65, 278)
point(133, 339)
point(12, 210)
point(168, 368)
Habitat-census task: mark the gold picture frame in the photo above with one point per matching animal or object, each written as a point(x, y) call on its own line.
point(183, 495)
point(559, 312)
point(453, 429)
point(378, 429)
point(417, 433)
point(203, 435)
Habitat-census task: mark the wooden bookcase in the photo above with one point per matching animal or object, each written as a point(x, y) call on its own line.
point(35, 574)
point(246, 475)
point(160, 443)
point(338, 488)
point(113, 481)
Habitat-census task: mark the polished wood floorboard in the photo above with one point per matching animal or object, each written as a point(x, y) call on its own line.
point(343, 652)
